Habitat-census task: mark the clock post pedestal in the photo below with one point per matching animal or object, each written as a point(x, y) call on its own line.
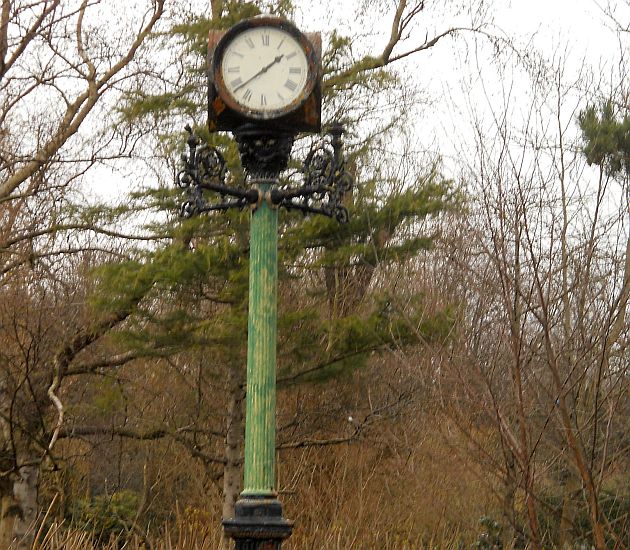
point(258, 523)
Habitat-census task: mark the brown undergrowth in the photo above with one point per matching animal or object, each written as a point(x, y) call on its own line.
point(372, 494)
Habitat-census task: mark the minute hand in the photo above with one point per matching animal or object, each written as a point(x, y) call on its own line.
point(262, 71)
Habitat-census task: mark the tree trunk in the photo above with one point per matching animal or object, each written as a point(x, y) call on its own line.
point(232, 471)
point(7, 513)
point(571, 490)
point(25, 495)
point(18, 490)
point(508, 533)
point(530, 504)
point(18, 507)
point(7, 507)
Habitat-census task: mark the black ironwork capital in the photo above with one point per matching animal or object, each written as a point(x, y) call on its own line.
point(325, 181)
point(264, 155)
point(204, 168)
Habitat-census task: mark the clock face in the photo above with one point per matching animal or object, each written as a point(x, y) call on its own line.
point(265, 70)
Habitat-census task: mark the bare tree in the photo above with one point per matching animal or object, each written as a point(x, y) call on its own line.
point(60, 70)
point(543, 287)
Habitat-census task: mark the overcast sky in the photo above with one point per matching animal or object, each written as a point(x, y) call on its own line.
point(458, 73)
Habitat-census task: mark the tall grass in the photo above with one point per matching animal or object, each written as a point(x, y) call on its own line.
point(350, 497)
point(192, 538)
point(188, 537)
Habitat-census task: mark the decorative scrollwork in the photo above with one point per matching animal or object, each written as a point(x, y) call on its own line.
point(203, 164)
point(204, 168)
point(324, 184)
point(319, 168)
point(326, 181)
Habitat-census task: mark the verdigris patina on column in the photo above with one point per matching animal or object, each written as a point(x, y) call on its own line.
point(258, 512)
point(264, 87)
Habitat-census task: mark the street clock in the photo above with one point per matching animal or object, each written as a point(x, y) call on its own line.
point(266, 73)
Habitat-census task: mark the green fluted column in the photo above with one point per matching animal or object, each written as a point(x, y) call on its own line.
point(260, 422)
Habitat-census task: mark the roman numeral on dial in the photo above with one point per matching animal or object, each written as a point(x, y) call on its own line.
point(265, 39)
point(291, 85)
point(247, 95)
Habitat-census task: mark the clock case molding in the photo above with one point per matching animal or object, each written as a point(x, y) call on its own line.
point(303, 115)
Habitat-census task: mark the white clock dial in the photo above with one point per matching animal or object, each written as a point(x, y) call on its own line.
point(264, 69)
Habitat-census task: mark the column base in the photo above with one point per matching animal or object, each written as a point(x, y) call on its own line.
point(258, 524)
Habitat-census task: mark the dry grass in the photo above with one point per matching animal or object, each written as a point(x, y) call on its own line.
point(188, 537)
point(359, 497)
point(334, 538)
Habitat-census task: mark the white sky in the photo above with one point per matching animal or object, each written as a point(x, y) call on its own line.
point(459, 75)
point(454, 75)
point(576, 30)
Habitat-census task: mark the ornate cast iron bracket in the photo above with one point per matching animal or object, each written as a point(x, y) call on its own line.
point(324, 179)
point(204, 168)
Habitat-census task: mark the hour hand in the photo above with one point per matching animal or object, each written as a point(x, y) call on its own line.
point(277, 59)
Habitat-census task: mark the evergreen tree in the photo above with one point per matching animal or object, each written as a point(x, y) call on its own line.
point(336, 307)
point(606, 138)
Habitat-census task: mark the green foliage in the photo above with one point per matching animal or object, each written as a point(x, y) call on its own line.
point(383, 227)
point(194, 33)
point(342, 74)
point(106, 517)
point(109, 396)
point(189, 99)
point(490, 537)
point(142, 104)
point(176, 276)
point(607, 138)
point(121, 285)
point(351, 340)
